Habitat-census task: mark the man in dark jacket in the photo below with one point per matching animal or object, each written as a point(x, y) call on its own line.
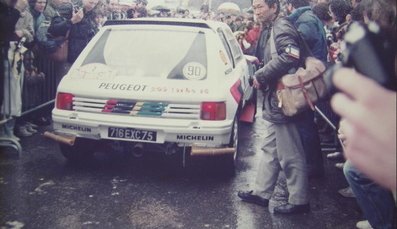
point(82, 32)
point(312, 32)
point(81, 24)
point(282, 145)
point(309, 26)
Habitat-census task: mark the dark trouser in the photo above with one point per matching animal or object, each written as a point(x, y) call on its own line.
point(311, 143)
point(376, 202)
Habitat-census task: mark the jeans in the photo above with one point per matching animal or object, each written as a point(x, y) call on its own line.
point(376, 203)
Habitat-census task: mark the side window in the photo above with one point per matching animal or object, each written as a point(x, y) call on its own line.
point(226, 46)
point(235, 48)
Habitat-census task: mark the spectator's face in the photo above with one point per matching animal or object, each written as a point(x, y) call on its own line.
point(39, 6)
point(21, 5)
point(114, 6)
point(263, 12)
point(89, 4)
point(289, 8)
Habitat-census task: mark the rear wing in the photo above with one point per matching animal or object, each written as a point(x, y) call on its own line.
point(191, 23)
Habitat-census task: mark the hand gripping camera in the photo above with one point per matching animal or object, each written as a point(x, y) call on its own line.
point(371, 52)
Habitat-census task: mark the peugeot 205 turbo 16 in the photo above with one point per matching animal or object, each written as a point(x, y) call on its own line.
point(172, 85)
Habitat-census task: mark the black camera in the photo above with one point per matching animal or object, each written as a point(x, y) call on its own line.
point(76, 8)
point(368, 50)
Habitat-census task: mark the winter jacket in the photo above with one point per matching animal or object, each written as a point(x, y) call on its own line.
point(38, 18)
point(79, 34)
point(253, 35)
point(8, 18)
point(25, 24)
point(312, 31)
point(285, 35)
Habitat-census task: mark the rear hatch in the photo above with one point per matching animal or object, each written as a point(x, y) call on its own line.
point(144, 71)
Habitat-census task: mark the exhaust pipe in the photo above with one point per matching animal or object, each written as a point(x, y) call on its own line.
point(60, 138)
point(204, 151)
point(137, 150)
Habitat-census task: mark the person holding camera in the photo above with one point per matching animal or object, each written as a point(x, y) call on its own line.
point(370, 144)
point(79, 22)
point(369, 116)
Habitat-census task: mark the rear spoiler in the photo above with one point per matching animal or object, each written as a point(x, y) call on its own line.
point(156, 22)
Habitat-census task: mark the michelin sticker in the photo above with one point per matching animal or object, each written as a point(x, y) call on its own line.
point(194, 71)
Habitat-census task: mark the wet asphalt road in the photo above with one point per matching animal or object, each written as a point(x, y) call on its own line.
point(40, 189)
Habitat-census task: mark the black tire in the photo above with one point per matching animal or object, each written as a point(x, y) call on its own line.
point(81, 151)
point(254, 100)
point(229, 160)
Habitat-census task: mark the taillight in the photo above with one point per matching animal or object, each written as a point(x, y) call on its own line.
point(65, 101)
point(213, 111)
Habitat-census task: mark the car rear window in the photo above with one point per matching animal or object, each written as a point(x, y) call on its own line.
point(163, 54)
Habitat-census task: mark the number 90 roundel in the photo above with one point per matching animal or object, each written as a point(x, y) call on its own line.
point(194, 71)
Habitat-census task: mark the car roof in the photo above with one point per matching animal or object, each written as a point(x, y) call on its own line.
point(199, 23)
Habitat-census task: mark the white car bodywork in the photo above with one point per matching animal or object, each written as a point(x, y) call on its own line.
point(125, 97)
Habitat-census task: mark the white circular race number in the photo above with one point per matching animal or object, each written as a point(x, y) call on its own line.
point(194, 71)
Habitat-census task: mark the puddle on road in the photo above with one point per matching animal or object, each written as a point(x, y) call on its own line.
point(155, 215)
point(13, 225)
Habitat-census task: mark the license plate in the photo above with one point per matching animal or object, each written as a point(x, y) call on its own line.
point(132, 134)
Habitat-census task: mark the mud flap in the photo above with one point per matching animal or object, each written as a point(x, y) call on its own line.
point(248, 113)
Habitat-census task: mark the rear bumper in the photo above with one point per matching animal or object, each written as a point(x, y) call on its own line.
point(183, 132)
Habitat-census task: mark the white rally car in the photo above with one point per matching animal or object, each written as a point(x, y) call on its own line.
point(176, 84)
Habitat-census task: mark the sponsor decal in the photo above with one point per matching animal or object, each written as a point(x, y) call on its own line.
point(223, 57)
point(123, 87)
point(195, 137)
point(194, 71)
point(76, 128)
point(135, 108)
point(181, 90)
point(148, 109)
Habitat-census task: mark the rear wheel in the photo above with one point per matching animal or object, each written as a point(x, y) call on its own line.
point(254, 100)
point(81, 151)
point(229, 160)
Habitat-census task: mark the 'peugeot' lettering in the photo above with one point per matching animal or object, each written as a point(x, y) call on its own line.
point(122, 87)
